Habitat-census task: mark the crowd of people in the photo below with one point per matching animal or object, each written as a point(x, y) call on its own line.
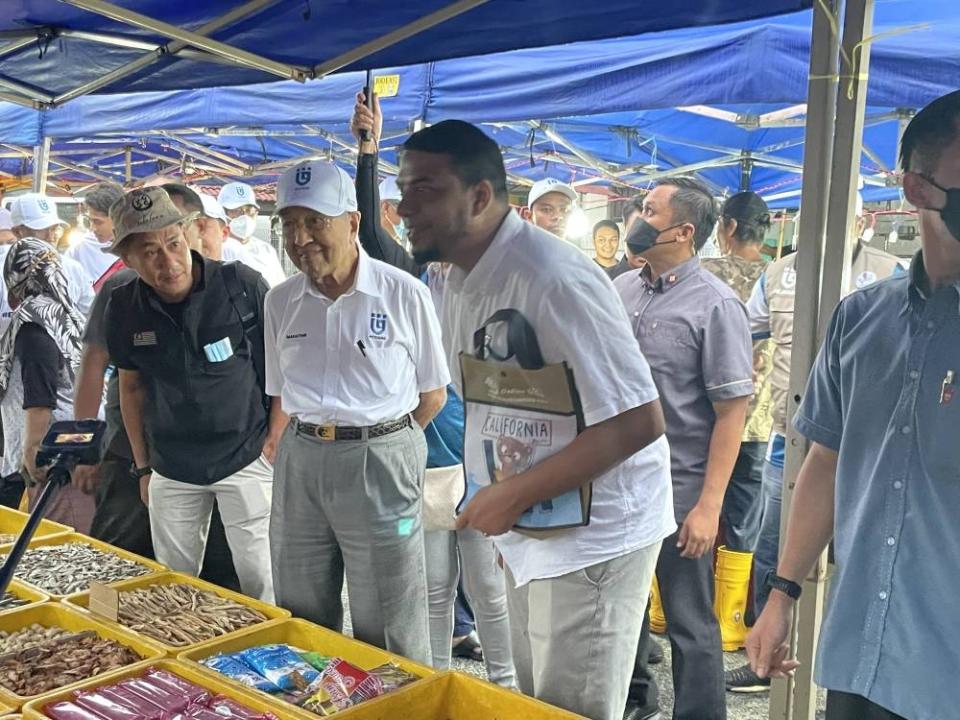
point(285, 435)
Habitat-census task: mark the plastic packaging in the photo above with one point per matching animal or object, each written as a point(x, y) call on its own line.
point(177, 685)
point(105, 706)
point(392, 676)
point(281, 665)
point(69, 711)
point(167, 701)
point(317, 660)
point(236, 669)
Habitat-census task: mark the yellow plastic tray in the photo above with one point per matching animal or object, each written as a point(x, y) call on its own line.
point(12, 521)
point(25, 592)
point(305, 636)
point(454, 696)
point(272, 612)
point(54, 614)
point(253, 700)
point(65, 539)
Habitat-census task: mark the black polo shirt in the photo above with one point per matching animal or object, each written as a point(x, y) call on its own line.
point(203, 419)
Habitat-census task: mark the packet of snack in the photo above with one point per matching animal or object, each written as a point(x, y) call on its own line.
point(392, 676)
point(234, 667)
point(317, 660)
point(282, 666)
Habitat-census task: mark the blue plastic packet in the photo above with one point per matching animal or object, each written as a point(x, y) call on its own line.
point(234, 667)
point(281, 666)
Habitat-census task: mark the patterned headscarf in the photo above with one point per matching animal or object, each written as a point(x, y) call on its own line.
point(37, 284)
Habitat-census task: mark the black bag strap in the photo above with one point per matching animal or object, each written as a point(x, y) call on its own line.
point(245, 308)
point(521, 340)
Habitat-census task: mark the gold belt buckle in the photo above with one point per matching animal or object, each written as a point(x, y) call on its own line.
point(326, 432)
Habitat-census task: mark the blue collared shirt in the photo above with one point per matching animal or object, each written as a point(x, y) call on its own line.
point(877, 396)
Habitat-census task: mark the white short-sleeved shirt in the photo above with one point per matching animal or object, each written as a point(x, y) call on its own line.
point(79, 284)
point(91, 255)
point(578, 318)
point(313, 347)
point(258, 255)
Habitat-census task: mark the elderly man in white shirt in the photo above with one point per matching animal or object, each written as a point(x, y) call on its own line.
point(576, 599)
point(353, 351)
point(240, 204)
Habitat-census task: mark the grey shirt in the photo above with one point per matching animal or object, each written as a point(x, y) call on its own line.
point(695, 334)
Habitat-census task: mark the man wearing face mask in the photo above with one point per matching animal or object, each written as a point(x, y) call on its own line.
point(389, 218)
point(240, 204)
point(694, 332)
point(881, 412)
point(354, 356)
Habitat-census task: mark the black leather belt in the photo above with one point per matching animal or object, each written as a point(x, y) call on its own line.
point(339, 432)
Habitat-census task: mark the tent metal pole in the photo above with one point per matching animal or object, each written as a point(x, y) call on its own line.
point(869, 152)
point(214, 47)
point(395, 36)
point(172, 48)
point(41, 165)
point(18, 45)
point(128, 163)
point(223, 158)
point(19, 100)
point(31, 92)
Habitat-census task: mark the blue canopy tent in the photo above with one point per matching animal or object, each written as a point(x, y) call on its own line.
point(61, 49)
point(612, 101)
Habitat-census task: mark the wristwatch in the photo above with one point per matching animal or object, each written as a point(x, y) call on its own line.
point(787, 587)
point(137, 473)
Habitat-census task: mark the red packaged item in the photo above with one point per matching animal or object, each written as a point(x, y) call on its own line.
point(106, 707)
point(144, 708)
point(65, 710)
point(177, 685)
point(360, 685)
point(166, 700)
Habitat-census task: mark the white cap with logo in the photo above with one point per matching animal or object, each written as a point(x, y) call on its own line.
point(389, 190)
point(37, 212)
point(237, 194)
point(319, 186)
point(211, 208)
point(549, 185)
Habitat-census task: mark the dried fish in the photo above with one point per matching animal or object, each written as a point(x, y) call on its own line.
point(71, 567)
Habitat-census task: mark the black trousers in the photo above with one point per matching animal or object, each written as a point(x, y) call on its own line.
point(122, 519)
point(844, 706)
point(686, 592)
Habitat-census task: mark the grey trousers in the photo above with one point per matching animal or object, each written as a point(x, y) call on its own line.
point(353, 506)
point(575, 636)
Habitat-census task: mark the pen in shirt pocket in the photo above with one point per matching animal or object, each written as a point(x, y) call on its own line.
point(363, 350)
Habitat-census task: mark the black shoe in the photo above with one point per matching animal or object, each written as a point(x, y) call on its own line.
point(745, 680)
point(635, 712)
point(655, 656)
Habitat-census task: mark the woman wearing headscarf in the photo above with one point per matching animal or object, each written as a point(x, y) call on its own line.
point(39, 356)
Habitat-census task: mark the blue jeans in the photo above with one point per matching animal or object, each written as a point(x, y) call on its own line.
point(768, 543)
point(743, 501)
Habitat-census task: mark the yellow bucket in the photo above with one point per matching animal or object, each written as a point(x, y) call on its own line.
point(81, 601)
point(25, 592)
point(12, 522)
point(455, 696)
point(54, 614)
point(253, 700)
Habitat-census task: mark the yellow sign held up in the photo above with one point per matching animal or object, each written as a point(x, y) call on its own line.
point(386, 85)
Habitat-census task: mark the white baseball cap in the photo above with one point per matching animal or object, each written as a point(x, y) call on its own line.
point(549, 185)
point(389, 190)
point(6, 219)
point(237, 194)
point(37, 212)
point(212, 209)
point(319, 186)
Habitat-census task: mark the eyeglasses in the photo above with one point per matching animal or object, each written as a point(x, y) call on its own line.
point(316, 223)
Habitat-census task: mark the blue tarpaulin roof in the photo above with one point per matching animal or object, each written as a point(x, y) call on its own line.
point(615, 99)
point(309, 32)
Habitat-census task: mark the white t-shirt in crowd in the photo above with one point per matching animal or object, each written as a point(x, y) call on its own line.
point(256, 254)
point(359, 360)
point(89, 252)
point(79, 284)
point(579, 319)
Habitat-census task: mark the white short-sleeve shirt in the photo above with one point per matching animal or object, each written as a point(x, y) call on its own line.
point(578, 318)
point(92, 256)
point(359, 360)
point(258, 255)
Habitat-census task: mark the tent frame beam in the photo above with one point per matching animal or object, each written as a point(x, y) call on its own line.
point(170, 49)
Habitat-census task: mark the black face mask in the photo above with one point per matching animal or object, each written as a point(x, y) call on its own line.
point(950, 212)
point(643, 236)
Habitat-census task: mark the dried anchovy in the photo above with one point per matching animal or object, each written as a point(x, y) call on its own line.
point(46, 667)
point(178, 614)
point(9, 600)
point(71, 567)
point(29, 636)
